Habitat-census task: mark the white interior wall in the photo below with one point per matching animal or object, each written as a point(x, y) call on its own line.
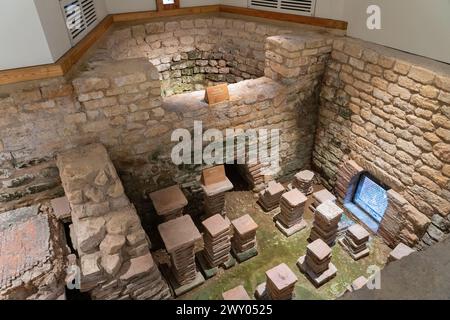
point(120, 6)
point(415, 26)
point(22, 37)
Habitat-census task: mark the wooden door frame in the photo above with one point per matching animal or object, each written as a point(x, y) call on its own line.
point(160, 6)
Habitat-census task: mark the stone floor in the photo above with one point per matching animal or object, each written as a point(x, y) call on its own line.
point(274, 248)
point(420, 276)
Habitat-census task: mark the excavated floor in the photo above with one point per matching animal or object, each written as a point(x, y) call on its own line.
point(274, 248)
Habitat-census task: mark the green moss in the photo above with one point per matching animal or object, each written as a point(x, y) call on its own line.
point(274, 248)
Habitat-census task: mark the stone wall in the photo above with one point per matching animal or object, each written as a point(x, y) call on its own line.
point(113, 248)
point(191, 53)
point(389, 112)
point(119, 104)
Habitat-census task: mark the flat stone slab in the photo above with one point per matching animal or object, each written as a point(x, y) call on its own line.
point(294, 198)
point(399, 252)
point(244, 224)
point(237, 293)
point(179, 232)
point(24, 243)
point(324, 196)
point(292, 230)
point(180, 290)
point(317, 279)
point(244, 256)
point(61, 208)
point(216, 225)
point(319, 249)
point(168, 200)
point(281, 276)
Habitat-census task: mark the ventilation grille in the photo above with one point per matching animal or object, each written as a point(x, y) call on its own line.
point(300, 7)
point(80, 17)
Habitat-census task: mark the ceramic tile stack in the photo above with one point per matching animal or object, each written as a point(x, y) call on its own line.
point(180, 237)
point(399, 252)
point(279, 285)
point(269, 198)
point(243, 243)
point(290, 219)
point(215, 184)
point(254, 175)
point(61, 209)
point(316, 264)
point(326, 223)
point(237, 293)
point(320, 197)
point(355, 241)
point(217, 241)
point(169, 203)
point(304, 181)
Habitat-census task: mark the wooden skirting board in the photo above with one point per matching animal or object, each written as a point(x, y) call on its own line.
point(63, 65)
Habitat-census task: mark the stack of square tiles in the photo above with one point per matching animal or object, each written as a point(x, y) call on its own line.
point(326, 223)
point(280, 283)
point(320, 197)
point(180, 236)
point(269, 198)
point(214, 184)
point(316, 264)
point(244, 238)
point(169, 203)
point(303, 181)
point(290, 219)
point(355, 242)
point(217, 240)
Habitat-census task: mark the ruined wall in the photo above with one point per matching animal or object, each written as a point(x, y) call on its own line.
point(191, 53)
point(389, 112)
point(119, 104)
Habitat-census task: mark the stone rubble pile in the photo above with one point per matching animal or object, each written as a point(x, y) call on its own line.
point(303, 181)
point(326, 223)
point(269, 198)
point(217, 240)
point(112, 246)
point(316, 264)
point(169, 202)
point(355, 242)
point(290, 219)
point(244, 244)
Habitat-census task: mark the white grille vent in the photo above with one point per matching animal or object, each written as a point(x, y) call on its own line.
point(80, 17)
point(300, 7)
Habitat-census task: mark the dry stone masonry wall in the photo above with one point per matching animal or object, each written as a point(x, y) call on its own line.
point(191, 53)
point(112, 246)
point(390, 113)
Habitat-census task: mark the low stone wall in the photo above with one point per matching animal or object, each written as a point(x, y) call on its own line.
point(112, 246)
point(389, 112)
point(189, 53)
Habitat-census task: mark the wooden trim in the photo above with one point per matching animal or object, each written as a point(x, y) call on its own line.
point(314, 21)
point(65, 63)
point(144, 15)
